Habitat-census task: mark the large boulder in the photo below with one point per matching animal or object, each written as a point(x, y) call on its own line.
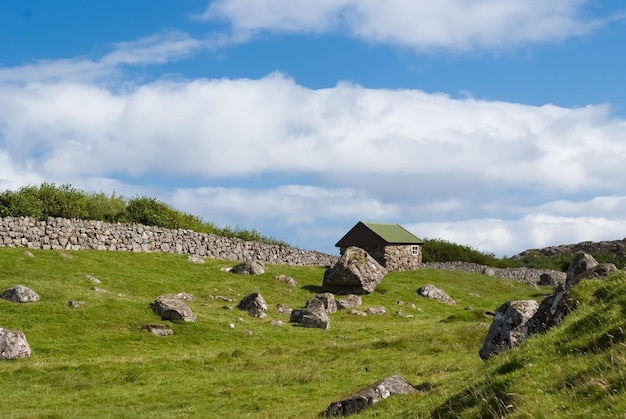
point(369, 395)
point(172, 307)
point(509, 327)
point(551, 311)
point(254, 267)
point(356, 272)
point(432, 292)
point(254, 304)
point(20, 294)
point(13, 344)
point(581, 263)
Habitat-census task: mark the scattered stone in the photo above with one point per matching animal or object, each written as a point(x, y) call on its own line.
point(286, 279)
point(509, 327)
point(317, 320)
point(221, 297)
point(197, 259)
point(13, 344)
point(356, 272)
point(160, 329)
point(473, 294)
point(434, 293)
point(20, 294)
point(29, 254)
point(326, 300)
point(253, 267)
point(92, 279)
point(171, 307)
point(369, 395)
point(231, 325)
point(356, 312)
point(100, 290)
point(228, 307)
point(76, 304)
point(468, 308)
point(226, 269)
point(283, 309)
point(376, 311)
point(277, 323)
point(350, 301)
point(254, 304)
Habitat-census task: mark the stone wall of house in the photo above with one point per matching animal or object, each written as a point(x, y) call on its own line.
point(401, 258)
point(532, 276)
point(60, 233)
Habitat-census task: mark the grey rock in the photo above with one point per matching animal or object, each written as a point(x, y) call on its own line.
point(325, 301)
point(547, 279)
point(171, 307)
point(197, 259)
point(509, 327)
point(432, 292)
point(160, 329)
point(254, 267)
point(356, 272)
point(286, 279)
point(75, 304)
point(92, 279)
point(254, 304)
point(13, 344)
point(377, 311)
point(369, 395)
point(20, 294)
point(582, 262)
point(350, 301)
point(551, 312)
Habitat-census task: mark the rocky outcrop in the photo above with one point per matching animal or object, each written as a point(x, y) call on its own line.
point(172, 307)
point(509, 327)
point(64, 234)
point(252, 267)
point(610, 247)
point(20, 294)
point(254, 304)
point(369, 395)
point(356, 272)
point(13, 344)
point(432, 292)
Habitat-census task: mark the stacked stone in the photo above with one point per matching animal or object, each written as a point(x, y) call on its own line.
point(65, 234)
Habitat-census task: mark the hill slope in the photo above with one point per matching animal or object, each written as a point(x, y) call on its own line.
point(99, 357)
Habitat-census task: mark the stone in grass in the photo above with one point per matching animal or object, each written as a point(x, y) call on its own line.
point(160, 329)
point(173, 308)
point(369, 395)
point(432, 292)
point(20, 294)
point(13, 344)
point(254, 304)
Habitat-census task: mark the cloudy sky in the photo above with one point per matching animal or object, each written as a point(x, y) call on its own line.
point(499, 124)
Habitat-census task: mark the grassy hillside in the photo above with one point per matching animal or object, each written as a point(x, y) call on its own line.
point(99, 359)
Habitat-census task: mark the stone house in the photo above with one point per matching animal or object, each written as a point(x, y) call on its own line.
point(391, 245)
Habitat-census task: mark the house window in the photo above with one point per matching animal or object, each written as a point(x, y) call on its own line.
point(415, 250)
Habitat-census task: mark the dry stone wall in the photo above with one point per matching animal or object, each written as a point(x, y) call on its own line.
point(61, 233)
point(532, 276)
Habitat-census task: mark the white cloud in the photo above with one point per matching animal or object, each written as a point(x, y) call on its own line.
point(397, 140)
point(448, 24)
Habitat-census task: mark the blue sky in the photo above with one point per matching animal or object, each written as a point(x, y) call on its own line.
point(493, 123)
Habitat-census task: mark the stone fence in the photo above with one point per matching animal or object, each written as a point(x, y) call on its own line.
point(61, 233)
point(517, 274)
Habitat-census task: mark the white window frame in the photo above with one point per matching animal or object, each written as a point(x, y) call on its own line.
point(415, 250)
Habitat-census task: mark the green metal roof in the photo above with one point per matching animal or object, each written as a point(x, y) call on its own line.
point(393, 233)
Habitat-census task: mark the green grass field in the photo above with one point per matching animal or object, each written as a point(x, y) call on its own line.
point(100, 361)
